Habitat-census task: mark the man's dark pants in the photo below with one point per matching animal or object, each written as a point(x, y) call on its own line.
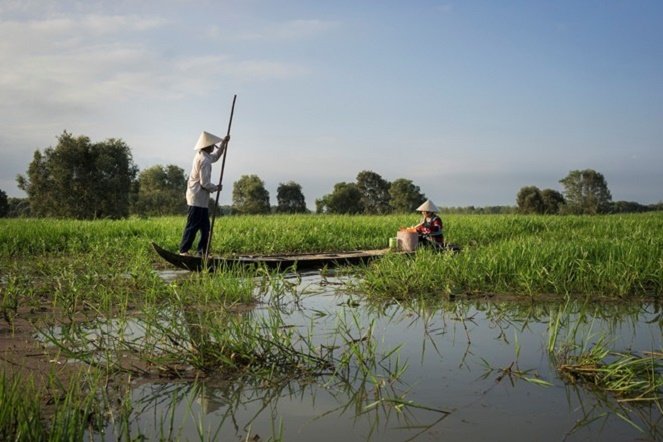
point(197, 219)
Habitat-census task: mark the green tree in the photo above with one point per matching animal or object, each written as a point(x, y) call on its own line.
point(344, 199)
point(19, 208)
point(80, 179)
point(4, 204)
point(530, 200)
point(374, 191)
point(322, 204)
point(628, 207)
point(250, 196)
point(405, 196)
point(586, 192)
point(552, 201)
point(161, 191)
point(290, 198)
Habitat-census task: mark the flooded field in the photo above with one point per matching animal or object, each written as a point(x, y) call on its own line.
point(458, 370)
point(524, 335)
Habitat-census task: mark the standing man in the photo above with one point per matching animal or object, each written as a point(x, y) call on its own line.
point(199, 187)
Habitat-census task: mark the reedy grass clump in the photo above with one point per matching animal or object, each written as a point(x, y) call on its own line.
point(79, 407)
point(20, 409)
point(199, 327)
point(631, 377)
point(233, 285)
point(581, 357)
point(188, 341)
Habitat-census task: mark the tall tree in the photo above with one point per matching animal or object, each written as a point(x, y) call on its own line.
point(250, 196)
point(4, 204)
point(405, 196)
point(374, 191)
point(530, 200)
point(552, 201)
point(80, 179)
point(344, 199)
point(161, 191)
point(586, 192)
point(290, 198)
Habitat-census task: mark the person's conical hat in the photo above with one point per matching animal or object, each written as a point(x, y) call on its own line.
point(428, 206)
point(206, 139)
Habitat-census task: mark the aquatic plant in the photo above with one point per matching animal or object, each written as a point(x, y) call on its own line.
point(631, 377)
point(78, 407)
point(587, 359)
point(20, 409)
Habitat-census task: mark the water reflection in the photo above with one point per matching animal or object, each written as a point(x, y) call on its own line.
point(462, 370)
point(292, 410)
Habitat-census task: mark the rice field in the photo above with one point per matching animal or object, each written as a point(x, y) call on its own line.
point(600, 256)
point(95, 294)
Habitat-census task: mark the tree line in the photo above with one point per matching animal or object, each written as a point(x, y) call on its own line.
point(585, 193)
point(81, 179)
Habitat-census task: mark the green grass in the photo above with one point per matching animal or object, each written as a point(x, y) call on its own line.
point(615, 256)
point(77, 409)
point(236, 234)
point(20, 410)
point(610, 256)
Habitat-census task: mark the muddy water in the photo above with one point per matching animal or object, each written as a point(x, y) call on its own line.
point(474, 371)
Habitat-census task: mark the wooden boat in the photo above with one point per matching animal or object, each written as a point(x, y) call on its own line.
point(305, 261)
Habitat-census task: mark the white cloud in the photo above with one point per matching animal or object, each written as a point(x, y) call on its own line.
point(51, 32)
point(89, 61)
point(102, 76)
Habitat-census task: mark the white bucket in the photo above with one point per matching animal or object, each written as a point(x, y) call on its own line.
point(407, 241)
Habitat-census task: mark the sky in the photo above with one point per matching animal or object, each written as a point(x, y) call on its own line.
point(471, 100)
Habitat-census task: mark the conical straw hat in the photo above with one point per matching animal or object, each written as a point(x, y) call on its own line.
point(206, 139)
point(428, 206)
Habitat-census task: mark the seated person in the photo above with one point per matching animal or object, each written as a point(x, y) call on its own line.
point(430, 229)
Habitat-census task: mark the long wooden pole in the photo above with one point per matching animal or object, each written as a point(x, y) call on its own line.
point(223, 167)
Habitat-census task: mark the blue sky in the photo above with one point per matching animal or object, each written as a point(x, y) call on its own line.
point(471, 100)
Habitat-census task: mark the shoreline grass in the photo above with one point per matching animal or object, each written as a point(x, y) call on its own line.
point(613, 255)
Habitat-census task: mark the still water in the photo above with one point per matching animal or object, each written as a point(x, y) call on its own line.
point(463, 370)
